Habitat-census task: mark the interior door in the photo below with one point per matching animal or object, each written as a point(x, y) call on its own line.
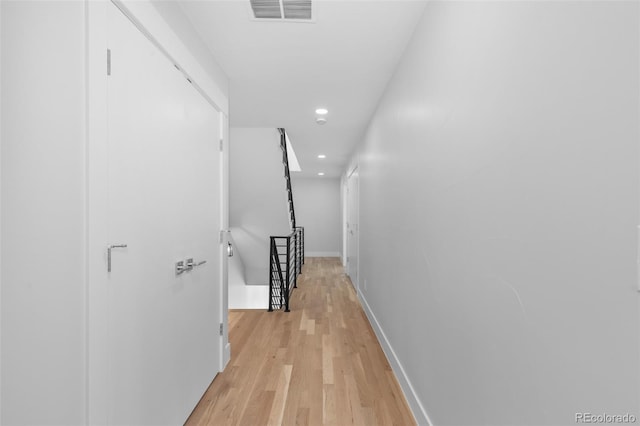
point(352, 228)
point(164, 205)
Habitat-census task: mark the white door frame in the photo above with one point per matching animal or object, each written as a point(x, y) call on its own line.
point(97, 235)
point(0, 212)
point(345, 212)
point(96, 190)
point(354, 204)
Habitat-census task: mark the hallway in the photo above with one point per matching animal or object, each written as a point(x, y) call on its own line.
point(318, 364)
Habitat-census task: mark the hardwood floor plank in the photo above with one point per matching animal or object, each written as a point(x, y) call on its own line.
point(282, 391)
point(319, 364)
point(328, 405)
point(327, 360)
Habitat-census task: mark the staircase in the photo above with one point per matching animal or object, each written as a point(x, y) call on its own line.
point(286, 254)
point(261, 211)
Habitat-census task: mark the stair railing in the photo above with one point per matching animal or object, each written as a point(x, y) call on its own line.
point(287, 176)
point(285, 264)
point(286, 255)
point(300, 248)
point(276, 279)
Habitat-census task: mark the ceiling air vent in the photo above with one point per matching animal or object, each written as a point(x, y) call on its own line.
point(266, 9)
point(294, 10)
point(297, 9)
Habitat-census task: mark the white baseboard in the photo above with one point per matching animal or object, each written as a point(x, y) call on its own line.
point(248, 296)
point(322, 254)
point(419, 412)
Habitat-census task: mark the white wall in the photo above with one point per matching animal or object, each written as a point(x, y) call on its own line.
point(170, 29)
point(257, 198)
point(317, 204)
point(43, 213)
point(499, 204)
point(173, 14)
point(241, 295)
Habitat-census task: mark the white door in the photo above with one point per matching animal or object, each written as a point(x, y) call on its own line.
point(164, 204)
point(352, 228)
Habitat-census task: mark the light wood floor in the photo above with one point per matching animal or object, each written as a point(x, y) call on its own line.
point(318, 364)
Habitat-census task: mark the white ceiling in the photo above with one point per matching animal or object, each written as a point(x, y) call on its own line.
point(280, 72)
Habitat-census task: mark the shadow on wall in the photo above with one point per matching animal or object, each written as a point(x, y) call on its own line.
point(241, 295)
point(252, 242)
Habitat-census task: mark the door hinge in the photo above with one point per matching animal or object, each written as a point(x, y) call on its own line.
point(108, 61)
point(221, 144)
point(221, 328)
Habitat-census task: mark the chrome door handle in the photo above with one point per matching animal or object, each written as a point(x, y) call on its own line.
point(192, 264)
point(188, 265)
point(229, 249)
point(179, 267)
point(109, 248)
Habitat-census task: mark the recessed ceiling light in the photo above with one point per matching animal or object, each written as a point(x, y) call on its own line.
point(322, 111)
point(321, 120)
point(321, 174)
point(322, 156)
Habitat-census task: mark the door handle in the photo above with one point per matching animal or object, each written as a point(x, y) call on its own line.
point(190, 264)
point(187, 265)
point(229, 249)
point(109, 248)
